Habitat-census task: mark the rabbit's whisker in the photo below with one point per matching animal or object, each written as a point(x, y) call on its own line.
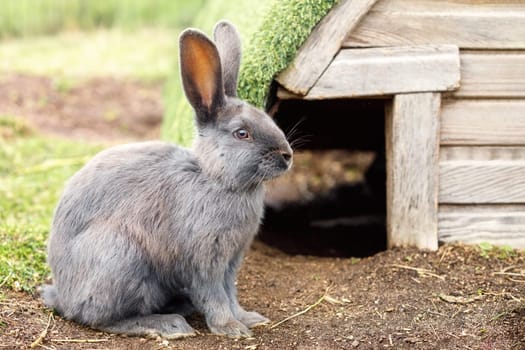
point(294, 128)
point(300, 141)
point(294, 136)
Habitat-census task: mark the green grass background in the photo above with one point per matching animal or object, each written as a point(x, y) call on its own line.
point(147, 54)
point(39, 17)
point(33, 170)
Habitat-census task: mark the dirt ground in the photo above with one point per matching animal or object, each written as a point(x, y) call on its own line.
point(456, 298)
point(99, 110)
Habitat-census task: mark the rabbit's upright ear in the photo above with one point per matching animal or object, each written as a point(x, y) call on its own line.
point(201, 74)
point(228, 43)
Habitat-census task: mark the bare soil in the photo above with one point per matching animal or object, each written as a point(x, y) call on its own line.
point(97, 110)
point(459, 297)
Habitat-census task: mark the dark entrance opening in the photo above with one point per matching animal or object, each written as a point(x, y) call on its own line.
point(333, 202)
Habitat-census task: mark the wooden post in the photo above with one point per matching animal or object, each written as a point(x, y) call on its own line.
point(412, 150)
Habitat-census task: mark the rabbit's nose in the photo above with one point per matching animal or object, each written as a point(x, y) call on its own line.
point(287, 156)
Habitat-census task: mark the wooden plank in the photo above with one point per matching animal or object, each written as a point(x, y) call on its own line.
point(496, 224)
point(467, 24)
point(387, 71)
point(322, 45)
point(284, 94)
point(463, 6)
point(447, 153)
point(492, 74)
point(482, 181)
point(483, 122)
point(412, 123)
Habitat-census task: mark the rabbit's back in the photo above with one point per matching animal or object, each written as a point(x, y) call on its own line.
point(156, 196)
point(119, 181)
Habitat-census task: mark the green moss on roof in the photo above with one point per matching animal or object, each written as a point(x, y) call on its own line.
point(272, 48)
point(270, 42)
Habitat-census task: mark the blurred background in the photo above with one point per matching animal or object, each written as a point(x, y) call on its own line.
point(70, 55)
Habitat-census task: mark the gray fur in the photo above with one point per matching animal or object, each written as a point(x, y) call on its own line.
point(229, 45)
point(149, 228)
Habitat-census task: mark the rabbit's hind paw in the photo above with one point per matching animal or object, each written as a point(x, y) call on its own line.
point(169, 326)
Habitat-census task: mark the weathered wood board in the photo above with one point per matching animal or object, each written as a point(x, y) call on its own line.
point(484, 74)
point(456, 6)
point(467, 24)
point(483, 122)
point(317, 52)
point(448, 153)
point(496, 224)
point(387, 71)
point(412, 146)
point(482, 181)
point(492, 74)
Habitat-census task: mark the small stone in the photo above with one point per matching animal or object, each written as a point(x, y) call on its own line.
point(412, 340)
point(16, 286)
point(355, 344)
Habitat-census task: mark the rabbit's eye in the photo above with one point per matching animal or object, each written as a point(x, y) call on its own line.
point(241, 134)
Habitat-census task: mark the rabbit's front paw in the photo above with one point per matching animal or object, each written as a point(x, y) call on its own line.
point(177, 329)
point(252, 319)
point(232, 328)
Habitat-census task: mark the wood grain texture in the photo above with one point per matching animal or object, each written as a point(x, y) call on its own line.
point(456, 6)
point(483, 122)
point(284, 94)
point(467, 24)
point(482, 181)
point(492, 74)
point(388, 71)
point(447, 153)
point(322, 45)
point(496, 224)
point(412, 136)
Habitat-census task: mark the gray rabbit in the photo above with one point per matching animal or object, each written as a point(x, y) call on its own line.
point(147, 233)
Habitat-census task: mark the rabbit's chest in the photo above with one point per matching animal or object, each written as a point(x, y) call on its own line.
point(224, 228)
point(213, 212)
point(237, 214)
